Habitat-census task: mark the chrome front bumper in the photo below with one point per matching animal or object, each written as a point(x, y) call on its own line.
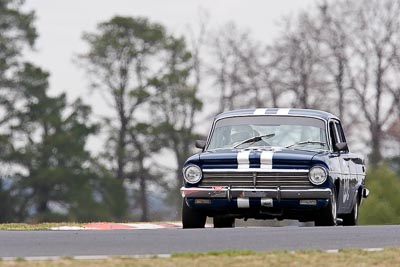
point(229, 193)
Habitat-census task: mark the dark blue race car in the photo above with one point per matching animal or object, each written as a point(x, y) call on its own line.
point(273, 163)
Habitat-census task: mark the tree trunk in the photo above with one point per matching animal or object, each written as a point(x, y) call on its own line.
point(375, 156)
point(340, 89)
point(143, 199)
point(121, 147)
point(42, 205)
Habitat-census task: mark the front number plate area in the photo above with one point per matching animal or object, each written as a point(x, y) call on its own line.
point(264, 203)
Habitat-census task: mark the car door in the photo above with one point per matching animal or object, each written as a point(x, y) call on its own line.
point(355, 166)
point(343, 173)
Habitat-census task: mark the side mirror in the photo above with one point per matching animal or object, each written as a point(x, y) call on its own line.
point(200, 144)
point(365, 193)
point(341, 146)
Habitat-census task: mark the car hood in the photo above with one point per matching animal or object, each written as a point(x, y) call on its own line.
point(273, 158)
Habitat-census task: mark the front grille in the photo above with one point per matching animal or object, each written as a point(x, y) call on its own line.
point(259, 180)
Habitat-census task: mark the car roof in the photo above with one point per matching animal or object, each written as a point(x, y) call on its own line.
point(278, 111)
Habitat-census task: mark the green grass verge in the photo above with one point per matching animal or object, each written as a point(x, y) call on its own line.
point(351, 257)
point(215, 253)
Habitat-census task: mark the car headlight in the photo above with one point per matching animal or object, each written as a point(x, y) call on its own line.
point(192, 174)
point(317, 175)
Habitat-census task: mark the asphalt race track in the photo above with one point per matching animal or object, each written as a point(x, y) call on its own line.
point(166, 241)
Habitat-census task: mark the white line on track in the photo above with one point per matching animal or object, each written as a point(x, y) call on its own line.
point(85, 257)
point(145, 256)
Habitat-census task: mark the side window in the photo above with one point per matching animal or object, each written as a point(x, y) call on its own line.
point(340, 132)
point(333, 134)
point(336, 132)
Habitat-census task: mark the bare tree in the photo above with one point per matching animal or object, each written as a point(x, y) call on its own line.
point(331, 27)
point(240, 70)
point(197, 41)
point(375, 42)
point(298, 62)
point(225, 71)
point(343, 57)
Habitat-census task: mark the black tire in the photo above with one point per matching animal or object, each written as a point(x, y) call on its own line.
point(351, 218)
point(328, 215)
point(224, 222)
point(192, 218)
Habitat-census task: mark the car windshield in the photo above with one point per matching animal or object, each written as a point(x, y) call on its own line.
point(279, 131)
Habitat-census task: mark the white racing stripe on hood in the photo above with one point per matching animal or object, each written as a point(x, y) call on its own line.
point(260, 111)
point(283, 111)
point(243, 159)
point(266, 159)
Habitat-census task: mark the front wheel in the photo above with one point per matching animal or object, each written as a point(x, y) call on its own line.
point(328, 215)
point(192, 218)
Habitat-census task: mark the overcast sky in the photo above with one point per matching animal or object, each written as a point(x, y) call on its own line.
point(60, 24)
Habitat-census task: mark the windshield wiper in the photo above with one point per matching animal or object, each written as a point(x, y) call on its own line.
point(306, 142)
point(254, 139)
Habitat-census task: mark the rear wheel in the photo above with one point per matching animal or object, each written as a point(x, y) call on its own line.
point(192, 218)
point(328, 215)
point(224, 222)
point(352, 218)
